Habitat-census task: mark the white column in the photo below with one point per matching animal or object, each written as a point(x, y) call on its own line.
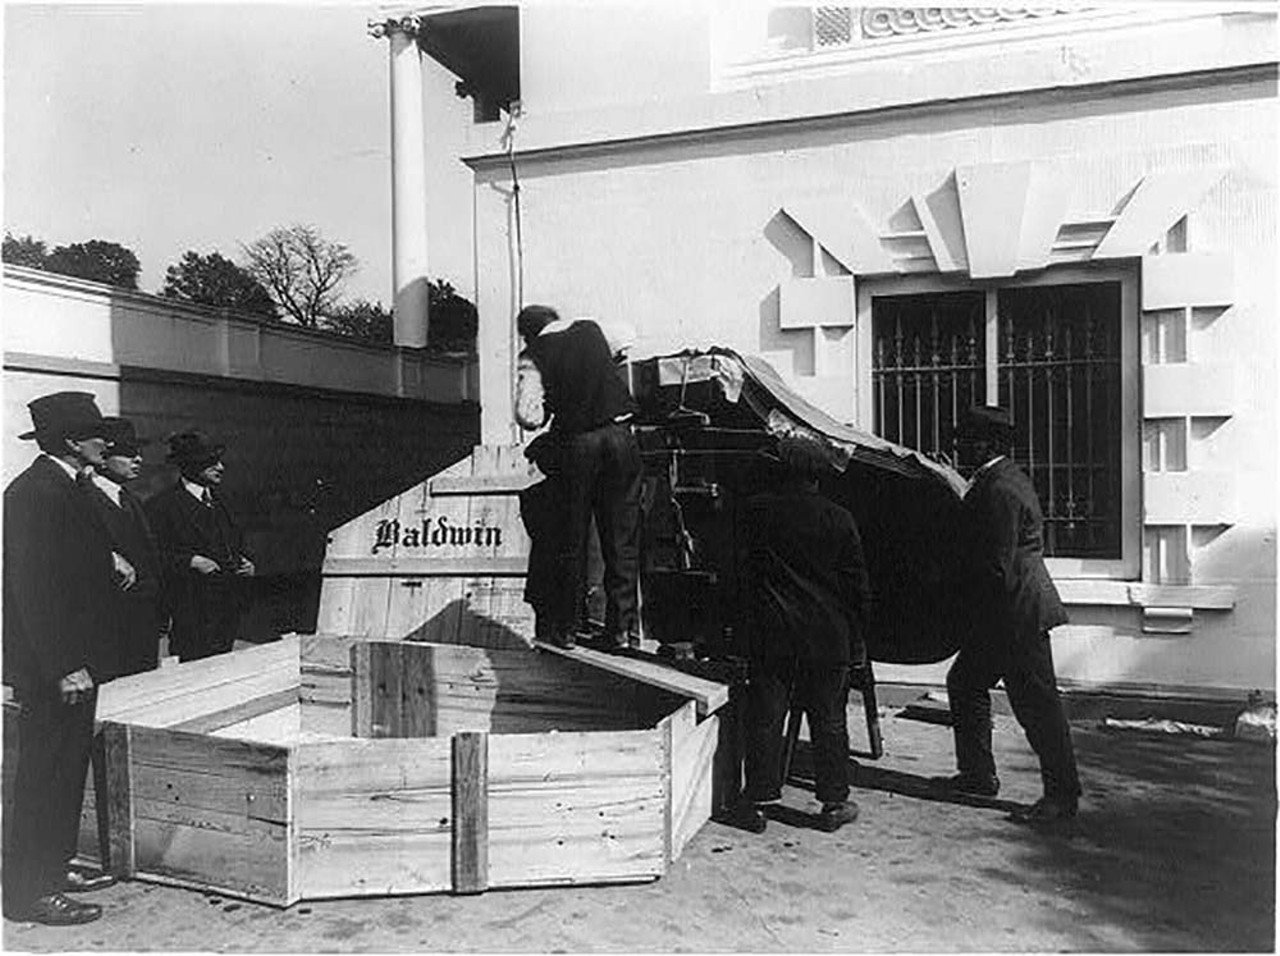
point(408, 181)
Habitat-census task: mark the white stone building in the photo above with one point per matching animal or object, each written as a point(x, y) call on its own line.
point(1067, 209)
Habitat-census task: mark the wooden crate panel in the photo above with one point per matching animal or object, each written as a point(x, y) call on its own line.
point(372, 817)
point(693, 750)
point(232, 854)
point(207, 811)
point(577, 807)
point(168, 693)
point(233, 776)
point(281, 726)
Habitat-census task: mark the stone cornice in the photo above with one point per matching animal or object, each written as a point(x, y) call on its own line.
point(881, 22)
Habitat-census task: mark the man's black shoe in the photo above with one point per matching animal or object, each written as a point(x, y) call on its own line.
point(749, 817)
point(565, 640)
point(967, 784)
point(86, 881)
point(1046, 811)
point(57, 910)
point(836, 815)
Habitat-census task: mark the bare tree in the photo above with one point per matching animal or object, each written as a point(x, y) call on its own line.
point(302, 270)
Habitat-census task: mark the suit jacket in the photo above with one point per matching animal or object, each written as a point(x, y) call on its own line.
point(58, 584)
point(583, 387)
point(138, 618)
point(1014, 595)
point(806, 584)
point(184, 527)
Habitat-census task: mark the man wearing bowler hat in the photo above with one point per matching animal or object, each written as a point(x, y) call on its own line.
point(138, 616)
point(60, 580)
point(201, 550)
point(1014, 604)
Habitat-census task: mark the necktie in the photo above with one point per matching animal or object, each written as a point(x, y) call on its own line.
point(207, 498)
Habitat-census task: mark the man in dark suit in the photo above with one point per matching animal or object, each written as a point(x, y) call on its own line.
point(568, 373)
point(1014, 606)
point(138, 616)
point(60, 581)
point(809, 596)
point(202, 551)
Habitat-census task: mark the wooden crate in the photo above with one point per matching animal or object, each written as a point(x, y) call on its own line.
point(323, 767)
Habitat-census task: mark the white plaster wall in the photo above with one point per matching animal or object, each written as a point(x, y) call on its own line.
point(681, 239)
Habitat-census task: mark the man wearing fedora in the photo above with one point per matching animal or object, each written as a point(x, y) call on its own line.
point(202, 551)
point(138, 617)
point(1014, 604)
point(60, 580)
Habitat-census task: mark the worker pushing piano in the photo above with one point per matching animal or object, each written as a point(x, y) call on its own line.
point(735, 521)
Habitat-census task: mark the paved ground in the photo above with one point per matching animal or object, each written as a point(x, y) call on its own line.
point(1174, 850)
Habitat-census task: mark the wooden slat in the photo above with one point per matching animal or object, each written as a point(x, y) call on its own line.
point(204, 707)
point(210, 812)
point(373, 817)
point(502, 484)
point(416, 566)
point(395, 689)
point(692, 765)
point(240, 713)
point(470, 813)
point(119, 697)
point(280, 726)
point(249, 860)
point(576, 808)
point(708, 695)
point(119, 799)
point(234, 776)
point(521, 691)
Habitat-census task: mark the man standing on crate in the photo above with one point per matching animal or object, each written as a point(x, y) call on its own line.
point(61, 580)
point(1013, 604)
point(568, 374)
point(809, 595)
point(202, 551)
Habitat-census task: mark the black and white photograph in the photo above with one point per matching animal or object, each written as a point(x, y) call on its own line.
point(639, 476)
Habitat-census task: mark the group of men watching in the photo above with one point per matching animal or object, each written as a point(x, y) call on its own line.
point(92, 582)
point(805, 579)
point(92, 579)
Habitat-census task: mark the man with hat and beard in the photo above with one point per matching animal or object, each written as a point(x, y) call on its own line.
point(1014, 604)
point(139, 616)
point(60, 581)
point(201, 551)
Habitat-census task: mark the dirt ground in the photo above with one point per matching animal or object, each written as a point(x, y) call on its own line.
point(1174, 850)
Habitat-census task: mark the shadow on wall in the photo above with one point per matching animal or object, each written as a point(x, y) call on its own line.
point(796, 247)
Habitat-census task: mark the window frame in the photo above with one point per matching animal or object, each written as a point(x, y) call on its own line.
point(1129, 565)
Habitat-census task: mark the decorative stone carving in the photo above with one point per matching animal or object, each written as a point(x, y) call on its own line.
point(880, 22)
point(408, 24)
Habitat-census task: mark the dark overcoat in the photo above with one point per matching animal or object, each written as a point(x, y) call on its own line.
point(1014, 595)
point(58, 586)
point(205, 608)
point(808, 594)
point(138, 610)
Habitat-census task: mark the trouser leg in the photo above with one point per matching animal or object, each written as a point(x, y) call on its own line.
point(1033, 694)
point(582, 469)
point(53, 760)
point(768, 683)
point(969, 683)
point(617, 512)
point(825, 691)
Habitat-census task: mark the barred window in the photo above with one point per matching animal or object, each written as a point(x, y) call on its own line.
point(1053, 355)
